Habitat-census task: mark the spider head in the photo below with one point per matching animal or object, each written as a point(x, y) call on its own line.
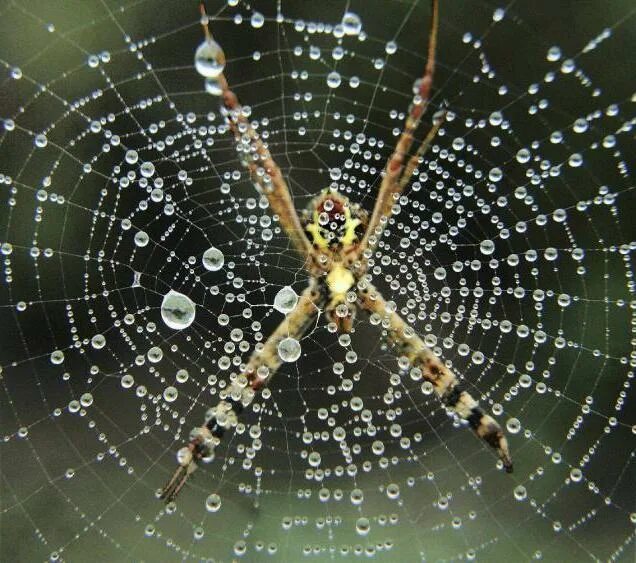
point(333, 223)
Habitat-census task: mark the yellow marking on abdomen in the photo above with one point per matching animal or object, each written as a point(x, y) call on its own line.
point(339, 280)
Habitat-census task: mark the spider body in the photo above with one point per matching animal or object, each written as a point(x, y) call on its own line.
point(336, 239)
point(335, 228)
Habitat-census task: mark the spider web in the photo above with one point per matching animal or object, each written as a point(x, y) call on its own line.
point(511, 254)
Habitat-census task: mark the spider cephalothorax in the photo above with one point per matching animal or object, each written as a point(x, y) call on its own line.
point(334, 224)
point(335, 227)
point(336, 240)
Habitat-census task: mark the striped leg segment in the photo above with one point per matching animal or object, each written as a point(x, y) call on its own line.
point(407, 343)
point(260, 369)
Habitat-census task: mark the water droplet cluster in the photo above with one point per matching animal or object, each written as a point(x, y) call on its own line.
point(141, 269)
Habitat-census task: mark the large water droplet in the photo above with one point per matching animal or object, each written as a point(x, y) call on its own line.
point(335, 174)
point(513, 425)
point(209, 60)
point(170, 394)
point(285, 300)
point(439, 273)
point(351, 23)
point(520, 492)
point(213, 259)
point(495, 175)
point(213, 86)
point(213, 503)
point(554, 54)
point(41, 141)
point(363, 526)
point(289, 349)
point(57, 357)
point(487, 247)
point(177, 310)
point(141, 238)
point(257, 20)
point(333, 79)
point(132, 156)
point(147, 169)
point(98, 341)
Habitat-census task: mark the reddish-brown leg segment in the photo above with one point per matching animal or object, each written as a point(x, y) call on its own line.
point(391, 185)
point(264, 171)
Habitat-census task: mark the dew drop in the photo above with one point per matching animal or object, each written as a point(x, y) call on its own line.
point(554, 54)
point(520, 492)
point(257, 20)
point(209, 60)
point(131, 156)
point(98, 341)
point(458, 143)
point(170, 394)
point(286, 300)
point(333, 79)
point(147, 169)
point(575, 160)
point(487, 247)
point(177, 310)
point(498, 14)
point(351, 23)
point(57, 357)
point(513, 425)
point(213, 86)
point(289, 349)
point(523, 156)
point(213, 503)
point(41, 141)
point(495, 175)
point(440, 273)
point(363, 526)
point(86, 400)
point(213, 259)
point(155, 354)
point(141, 239)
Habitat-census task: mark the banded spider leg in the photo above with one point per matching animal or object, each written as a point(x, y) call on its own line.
point(396, 178)
point(407, 343)
point(262, 366)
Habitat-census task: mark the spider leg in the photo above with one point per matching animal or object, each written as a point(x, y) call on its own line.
point(407, 343)
point(169, 492)
point(263, 364)
point(187, 465)
point(261, 367)
point(392, 184)
point(415, 158)
point(264, 172)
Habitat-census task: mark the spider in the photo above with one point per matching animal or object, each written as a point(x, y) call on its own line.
point(336, 240)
